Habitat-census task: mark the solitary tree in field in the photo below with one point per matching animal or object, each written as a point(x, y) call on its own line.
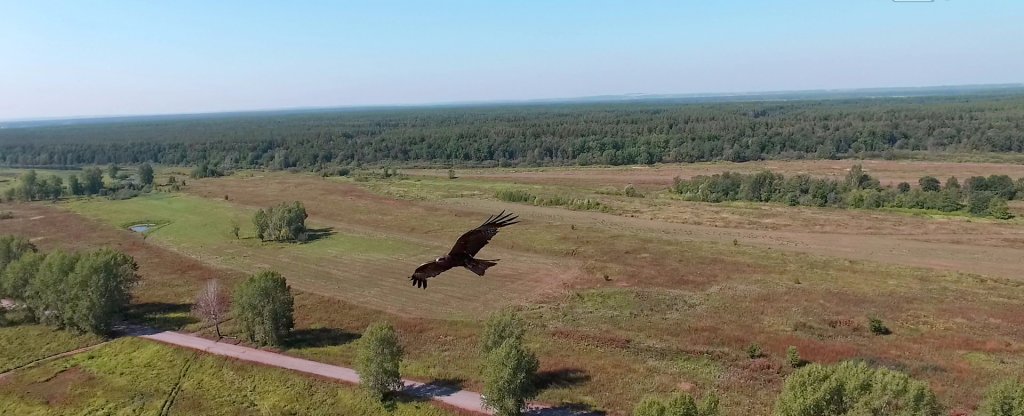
point(146, 174)
point(501, 326)
point(508, 373)
point(212, 304)
point(263, 305)
point(378, 360)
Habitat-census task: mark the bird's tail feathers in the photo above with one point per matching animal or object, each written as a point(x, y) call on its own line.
point(480, 266)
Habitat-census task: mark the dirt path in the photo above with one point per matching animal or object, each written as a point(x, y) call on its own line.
point(461, 399)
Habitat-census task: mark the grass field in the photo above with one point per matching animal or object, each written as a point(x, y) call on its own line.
point(132, 376)
point(653, 296)
point(24, 344)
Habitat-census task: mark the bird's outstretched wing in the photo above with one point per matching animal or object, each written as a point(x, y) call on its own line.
point(471, 242)
point(426, 271)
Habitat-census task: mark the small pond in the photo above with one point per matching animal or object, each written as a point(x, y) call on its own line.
point(142, 228)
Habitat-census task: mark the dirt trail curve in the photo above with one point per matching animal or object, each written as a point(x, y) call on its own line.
point(461, 399)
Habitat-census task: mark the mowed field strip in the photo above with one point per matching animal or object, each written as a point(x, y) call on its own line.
point(353, 263)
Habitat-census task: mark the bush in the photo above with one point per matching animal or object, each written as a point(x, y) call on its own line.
point(754, 351)
point(997, 208)
point(680, 405)
point(378, 360)
point(500, 327)
point(514, 195)
point(285, 222)
point(632, 192)
point(263, 305)
point(878, 327)
point(1003, 399)
point(854, 389)
point(793, 357)
point(508, 374)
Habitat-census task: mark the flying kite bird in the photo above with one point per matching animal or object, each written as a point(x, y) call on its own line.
point(465, 248)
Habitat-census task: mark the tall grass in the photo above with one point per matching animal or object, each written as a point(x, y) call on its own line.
point(523, 196)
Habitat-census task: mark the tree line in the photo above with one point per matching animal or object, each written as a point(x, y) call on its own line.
point(979, 195)
point(81, 291)
point(552, 134)
point(32, 187)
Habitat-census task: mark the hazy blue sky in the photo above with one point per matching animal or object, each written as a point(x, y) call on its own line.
point(136, 57)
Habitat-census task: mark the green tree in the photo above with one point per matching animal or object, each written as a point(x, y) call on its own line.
point(649, 407)
point(263, 306)
point(112, 170)
point(13, 247)
point(92, 180)
point(508, 375)
point(284, 222)
point(378, 360)
point(930, 184)
point(997, 208)
point(101, 288)
point(503, 325)
point(793, 357)
point(146, 174)
point(903, 187)
point(15, 278)
point(49, 295)
point(75, 185)
point(952, 184)
point(854, 388)
point(1003, 399)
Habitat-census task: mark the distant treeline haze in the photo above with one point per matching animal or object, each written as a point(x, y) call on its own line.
point(554, 134)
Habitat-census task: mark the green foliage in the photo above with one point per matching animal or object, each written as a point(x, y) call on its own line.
point(514, 195)
point(75, 186)
point(146, 174)
point(285, 222)
point(92, 180)
point(754, 351)
point(878, 327)
point(508, 373)
point(929, 184)
point(632, 192)
point(583, 134)
point(854, 389)
point(13, 247)
point(263, 307)
point(101, 286)
point(1003, 399)
point(501, 326)
point(793, 357)
point(378, 360)
point(680, 405)
point(205, 170)
point(112, 170)
point(997, 208)
point(85, 292)
point(15, 278)
point(903, 187)
point(31, 187)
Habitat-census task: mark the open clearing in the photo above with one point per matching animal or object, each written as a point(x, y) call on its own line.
point(643, 299)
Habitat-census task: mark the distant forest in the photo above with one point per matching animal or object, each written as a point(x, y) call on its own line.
point(541, 134)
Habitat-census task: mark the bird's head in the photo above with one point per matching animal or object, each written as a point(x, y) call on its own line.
point(439, 259)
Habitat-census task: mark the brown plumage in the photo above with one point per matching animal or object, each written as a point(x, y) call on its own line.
point(466, 247)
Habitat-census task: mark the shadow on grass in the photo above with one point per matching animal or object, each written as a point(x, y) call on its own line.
point(561, 378)
point(319, 337)
point(160, 315)
point(313, 234)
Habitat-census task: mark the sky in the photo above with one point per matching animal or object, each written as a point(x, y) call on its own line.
point(94, 58)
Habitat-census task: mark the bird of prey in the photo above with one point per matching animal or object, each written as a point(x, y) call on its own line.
point(465, 248)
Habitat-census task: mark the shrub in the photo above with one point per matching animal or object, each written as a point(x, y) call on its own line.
point(378, 360)
point(854, 389)
point(285, 222)
point(501, 326)
point(793, 357)
point(878, 327)
point(263, 305)
point(754, 351)
point(514, 195)
point(681, 405)
point(508, 374)
point(997, 208)
point(1003, 399)
point(632, 192)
